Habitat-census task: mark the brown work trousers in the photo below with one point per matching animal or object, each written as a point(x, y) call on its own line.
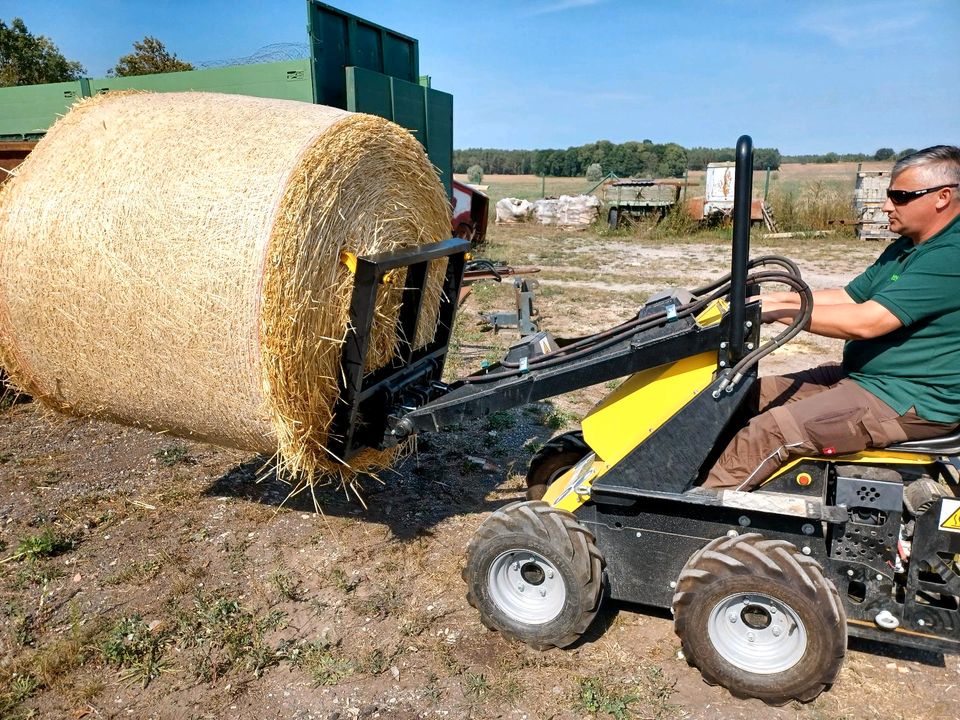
point(819, 411)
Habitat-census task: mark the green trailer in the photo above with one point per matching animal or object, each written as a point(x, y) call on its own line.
point(633, 199)
point(27, 111)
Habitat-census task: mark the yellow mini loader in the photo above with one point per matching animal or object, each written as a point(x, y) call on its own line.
point(764, 587)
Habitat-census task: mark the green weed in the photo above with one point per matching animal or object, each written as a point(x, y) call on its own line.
point(343, 582)
point(557, 419)
point(500, 420)
point(533, 445)
point(35, 574)
point(13, 693)
point(379, 605)
point(135, 571)
point(232, 636)
point(432, 689)
point(48, 543)
point(475, 685)
point(658, 694)
point(594, 696)
point(376, 661)
point(618, 698)
point(321, 661)
point(174, 455)
point(132, 646)
point(511, 691)
point(23, 630)
point(288, 586)
point(415, 626)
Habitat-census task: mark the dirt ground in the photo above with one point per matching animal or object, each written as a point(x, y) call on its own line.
point(147, 577)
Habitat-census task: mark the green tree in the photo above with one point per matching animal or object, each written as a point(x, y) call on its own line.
point(904, 153)
point(764, 158)
point(475, 174)
point(884, 154)
point(27, 59)
point(149, 56)
point(594, 172)
point(673, 161)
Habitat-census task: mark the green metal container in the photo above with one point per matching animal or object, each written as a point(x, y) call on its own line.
point(287, 80)
point(27, 111)
point(339, 39)
point(425, 112)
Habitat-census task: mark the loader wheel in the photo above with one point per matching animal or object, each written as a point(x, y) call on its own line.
point(551, 461)
point(759, 618)
point(535, 574)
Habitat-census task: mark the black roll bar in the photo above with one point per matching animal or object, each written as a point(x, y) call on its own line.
point(740, 256)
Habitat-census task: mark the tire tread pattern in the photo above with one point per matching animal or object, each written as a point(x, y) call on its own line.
point(558, 451)
point(772, 560)
point(564, 534)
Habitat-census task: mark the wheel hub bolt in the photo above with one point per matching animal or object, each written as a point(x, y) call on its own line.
point(516, 566)
point(521, 587)
point(543, 593)
point(751, 637)
point(776, 632)
point(773, 611)
point(550, 574)
point(732, 617)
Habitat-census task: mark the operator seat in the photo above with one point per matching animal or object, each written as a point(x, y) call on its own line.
point(943, 445)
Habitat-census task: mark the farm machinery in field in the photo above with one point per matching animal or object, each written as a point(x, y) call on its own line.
point(765, 587)
point(630, 200)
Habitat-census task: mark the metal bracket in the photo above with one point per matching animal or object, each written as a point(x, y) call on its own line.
point(364, 400)
point(525, 318)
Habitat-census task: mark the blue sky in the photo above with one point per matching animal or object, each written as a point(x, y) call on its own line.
point(806, 76)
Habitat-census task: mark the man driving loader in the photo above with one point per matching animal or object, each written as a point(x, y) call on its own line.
point(900, 375)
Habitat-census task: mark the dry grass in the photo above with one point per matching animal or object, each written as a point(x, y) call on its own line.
point(803, 196)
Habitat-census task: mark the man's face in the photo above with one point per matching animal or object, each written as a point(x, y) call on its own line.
point(915, 218)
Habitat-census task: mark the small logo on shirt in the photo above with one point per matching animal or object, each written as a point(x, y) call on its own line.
point(894, 278)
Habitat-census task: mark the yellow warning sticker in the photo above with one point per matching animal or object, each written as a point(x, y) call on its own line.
point(950, 516)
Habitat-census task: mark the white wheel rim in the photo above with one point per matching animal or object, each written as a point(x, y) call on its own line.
point(526, 587)
point(757, 633)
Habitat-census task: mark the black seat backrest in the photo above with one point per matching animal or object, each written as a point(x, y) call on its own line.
point(943, 445)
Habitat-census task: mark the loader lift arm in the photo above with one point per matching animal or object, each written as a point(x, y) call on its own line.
point(502, 388)
point(383, 408)
point(665, 330)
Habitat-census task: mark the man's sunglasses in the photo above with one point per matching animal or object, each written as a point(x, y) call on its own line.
point(902, 197)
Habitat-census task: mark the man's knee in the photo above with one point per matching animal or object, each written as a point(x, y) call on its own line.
point(754, 454)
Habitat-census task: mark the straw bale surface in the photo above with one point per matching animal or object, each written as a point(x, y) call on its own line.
point(173, 261)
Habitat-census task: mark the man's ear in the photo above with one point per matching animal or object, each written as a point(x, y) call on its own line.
point(945, 196)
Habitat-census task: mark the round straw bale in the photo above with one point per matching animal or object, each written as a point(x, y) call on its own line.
point(172, 261)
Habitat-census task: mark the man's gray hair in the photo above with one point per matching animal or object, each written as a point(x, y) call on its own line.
point(940, 164)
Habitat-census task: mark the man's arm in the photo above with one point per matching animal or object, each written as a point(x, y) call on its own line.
point(835, 314)
point(831, 296)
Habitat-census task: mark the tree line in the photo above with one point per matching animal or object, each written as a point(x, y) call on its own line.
point(629, 159)
point(637, 159)
point(28, 59)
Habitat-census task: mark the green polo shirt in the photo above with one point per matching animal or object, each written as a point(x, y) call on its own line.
point(917, 365)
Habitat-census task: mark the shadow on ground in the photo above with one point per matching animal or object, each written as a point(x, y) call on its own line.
point(895, 652)
point(452, 473)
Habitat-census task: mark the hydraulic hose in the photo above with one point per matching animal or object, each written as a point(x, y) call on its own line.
point(589, 344)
